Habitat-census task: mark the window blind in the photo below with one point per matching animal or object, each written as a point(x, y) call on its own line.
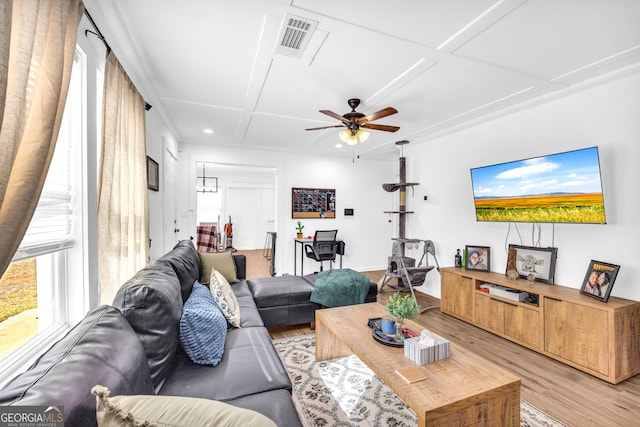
point(50, 229)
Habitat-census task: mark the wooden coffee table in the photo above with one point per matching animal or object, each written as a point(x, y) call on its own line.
point(461, 390)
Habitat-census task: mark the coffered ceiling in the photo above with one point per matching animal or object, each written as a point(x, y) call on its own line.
point(441, 63)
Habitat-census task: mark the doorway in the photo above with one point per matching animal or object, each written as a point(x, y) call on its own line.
point(245, 197)
point(169, 211)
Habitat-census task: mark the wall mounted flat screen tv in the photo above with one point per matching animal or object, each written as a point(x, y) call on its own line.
point(558, 188)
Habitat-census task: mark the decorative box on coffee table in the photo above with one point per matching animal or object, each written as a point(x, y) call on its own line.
point(422, 353)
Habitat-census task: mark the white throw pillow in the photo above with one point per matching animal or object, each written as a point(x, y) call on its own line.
point(225, 298)
point(177, 411)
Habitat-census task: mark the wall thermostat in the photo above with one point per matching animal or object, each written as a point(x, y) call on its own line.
point(348, 212)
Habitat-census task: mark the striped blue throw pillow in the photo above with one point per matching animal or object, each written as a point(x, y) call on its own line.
point(203, 327)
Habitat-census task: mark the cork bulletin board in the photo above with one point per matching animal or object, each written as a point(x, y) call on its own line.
point(313, 203)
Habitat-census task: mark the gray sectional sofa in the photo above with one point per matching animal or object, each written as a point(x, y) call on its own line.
point(132, 347)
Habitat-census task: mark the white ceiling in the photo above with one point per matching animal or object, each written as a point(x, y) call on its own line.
point(441, 63)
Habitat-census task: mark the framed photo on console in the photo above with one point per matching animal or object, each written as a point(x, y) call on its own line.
point(599, 280)
point(478, 258)
point(536, 264)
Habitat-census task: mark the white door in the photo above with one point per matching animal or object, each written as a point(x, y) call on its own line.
point(170, 216)
point(267, 221)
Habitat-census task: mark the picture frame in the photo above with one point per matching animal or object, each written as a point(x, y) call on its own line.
point(536, 264)
point(599, 280)
point(153, 174)
point(313, 203)
point(511, 271)
point(478, 258)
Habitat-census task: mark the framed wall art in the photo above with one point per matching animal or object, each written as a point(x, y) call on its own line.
point(478, 258)
point(153, 174)
point(313, 203)
point(599, 280)
point(536, 264)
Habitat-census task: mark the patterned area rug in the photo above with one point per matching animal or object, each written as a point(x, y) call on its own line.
point(345, 392)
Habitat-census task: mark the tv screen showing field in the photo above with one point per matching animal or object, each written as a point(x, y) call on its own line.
point(561, 188)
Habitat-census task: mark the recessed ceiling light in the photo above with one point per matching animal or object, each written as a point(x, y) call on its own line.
point(210, 131)
point(338, 145)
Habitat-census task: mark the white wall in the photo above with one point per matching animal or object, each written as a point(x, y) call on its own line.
point(358, 185)
point(605, 116)
point(158, 136)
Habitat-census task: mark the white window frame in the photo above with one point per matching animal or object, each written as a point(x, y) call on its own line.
point(64, 260)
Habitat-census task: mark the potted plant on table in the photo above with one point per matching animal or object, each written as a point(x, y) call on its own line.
point(400, 307)
point(299, 229)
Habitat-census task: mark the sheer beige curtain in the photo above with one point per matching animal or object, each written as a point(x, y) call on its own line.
point(123, 217)
point(37, 44)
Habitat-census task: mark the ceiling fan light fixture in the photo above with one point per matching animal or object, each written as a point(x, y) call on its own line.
point(351, 138)
point(344, 136)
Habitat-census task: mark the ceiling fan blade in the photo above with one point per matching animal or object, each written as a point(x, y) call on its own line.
point(378, 115)
point(385, 128)
point(326, 127)
point(334, 115)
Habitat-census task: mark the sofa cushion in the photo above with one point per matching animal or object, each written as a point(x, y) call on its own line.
point(224, 298)
point(249, 314)
point(250, 364)
point(152, 303)
point(221, 261)
point(280, 291)
point(185, 262)
point(203, 327)
point(174, 411)
point(275, 404)
point(241, 289)
point(90, 353)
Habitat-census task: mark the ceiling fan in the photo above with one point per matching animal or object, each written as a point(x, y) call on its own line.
point(354, 121)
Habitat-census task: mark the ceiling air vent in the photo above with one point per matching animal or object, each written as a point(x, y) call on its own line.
point(294, 36)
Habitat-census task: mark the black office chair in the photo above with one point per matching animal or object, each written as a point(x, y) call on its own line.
point(324, 247)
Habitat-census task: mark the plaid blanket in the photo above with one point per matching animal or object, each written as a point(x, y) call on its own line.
point(207, 238)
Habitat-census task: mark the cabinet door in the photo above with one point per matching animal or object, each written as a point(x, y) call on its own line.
point(456, 295)
point(490, 313)
point(523, 325)
point(577, 333)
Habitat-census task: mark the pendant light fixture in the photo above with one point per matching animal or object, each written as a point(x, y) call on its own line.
point(209, 184)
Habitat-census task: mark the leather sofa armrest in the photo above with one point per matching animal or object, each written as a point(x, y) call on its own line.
point(241, 266)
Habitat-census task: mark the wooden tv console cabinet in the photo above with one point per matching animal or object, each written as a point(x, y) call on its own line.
point(601, 339)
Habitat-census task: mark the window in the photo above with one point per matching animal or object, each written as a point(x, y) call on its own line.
point(40, 294)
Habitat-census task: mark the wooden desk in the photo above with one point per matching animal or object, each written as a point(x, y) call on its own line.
point(462, 390)
point(306, 241)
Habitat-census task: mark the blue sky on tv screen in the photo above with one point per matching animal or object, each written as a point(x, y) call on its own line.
point(573, 172)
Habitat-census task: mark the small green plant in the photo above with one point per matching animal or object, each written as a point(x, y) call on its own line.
point(299, 227)
point(402, 307)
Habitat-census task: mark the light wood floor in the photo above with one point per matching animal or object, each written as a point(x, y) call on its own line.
point(570, 396)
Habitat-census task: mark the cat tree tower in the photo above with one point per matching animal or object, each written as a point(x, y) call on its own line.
point(400, 266)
